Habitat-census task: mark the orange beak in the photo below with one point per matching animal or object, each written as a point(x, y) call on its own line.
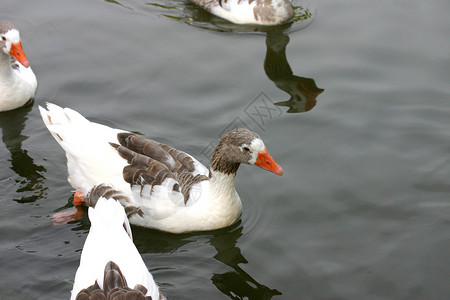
point(266, 162)
point(17, 52)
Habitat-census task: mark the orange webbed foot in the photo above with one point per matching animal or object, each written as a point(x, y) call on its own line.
point(72, 214)
point(64, 217)
point(78, 198)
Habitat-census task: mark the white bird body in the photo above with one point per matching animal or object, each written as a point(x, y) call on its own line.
point(109, 241)
point(167, 189)
point(18, 83)
point(256, 12)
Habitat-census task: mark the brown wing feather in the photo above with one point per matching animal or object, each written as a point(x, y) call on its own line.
point(114, 285)
point(107, 191)
point(113, 278)
point(187, 180)
point(147, 148)
point(150, 163)
point(180, 157)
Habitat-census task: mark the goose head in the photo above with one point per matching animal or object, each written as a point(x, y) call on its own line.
point(10, 43)
point(242, 146)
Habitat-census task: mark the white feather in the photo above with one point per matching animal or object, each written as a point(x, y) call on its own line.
point(109, 241)
point(92, 161)
point(17, 86)
point(250, 12)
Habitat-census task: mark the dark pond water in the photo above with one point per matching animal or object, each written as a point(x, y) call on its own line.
point(361, 128)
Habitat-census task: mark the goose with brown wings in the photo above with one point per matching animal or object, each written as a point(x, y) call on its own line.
point(160, 187)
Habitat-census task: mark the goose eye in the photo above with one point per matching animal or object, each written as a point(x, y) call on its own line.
point(3, 38)
point(246, 149)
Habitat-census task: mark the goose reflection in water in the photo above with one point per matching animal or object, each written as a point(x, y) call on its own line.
point(303, 91)
point(191, 14)
point(31, 186)
point(235, 283)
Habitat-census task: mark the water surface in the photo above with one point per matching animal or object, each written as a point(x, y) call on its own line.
point(354, 106)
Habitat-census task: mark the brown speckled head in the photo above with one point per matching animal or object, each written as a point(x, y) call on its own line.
point(240, 146)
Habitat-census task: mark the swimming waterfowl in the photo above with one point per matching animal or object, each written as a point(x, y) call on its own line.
point(110, 264)
point(258, 12)
point(162, 188)
point(17, 81)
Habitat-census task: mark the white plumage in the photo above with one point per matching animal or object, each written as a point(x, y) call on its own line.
point(256, 12)
point(18, 83)
point(108, 240)
point(180, 200)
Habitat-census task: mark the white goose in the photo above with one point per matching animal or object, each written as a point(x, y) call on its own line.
point(258, 12)
point(162, 187)
point(110, 264)
point(17, 81)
